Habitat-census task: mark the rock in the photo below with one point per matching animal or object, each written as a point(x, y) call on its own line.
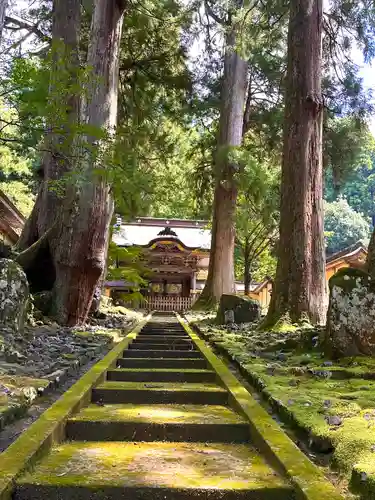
point(43, 302)
point(245, 310)
point(30, 393)
point(14, 295)
point(229, 316)
point(281, 356)
point(333, 420)
point(13, 356)
point(350, 327)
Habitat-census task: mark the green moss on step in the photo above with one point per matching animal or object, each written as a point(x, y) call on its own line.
point(162, 370)
point(158, 464)
point(161, 386)
point(197, 414)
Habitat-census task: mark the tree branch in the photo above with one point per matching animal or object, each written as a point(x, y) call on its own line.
point(21, 24)
point(214, 16)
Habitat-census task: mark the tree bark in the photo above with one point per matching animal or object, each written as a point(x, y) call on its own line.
point(247, 263)
point(3, 9)
point(370, 261)
point(220, 278)
point(63, 117)
point(300, 287)
point(82, 253)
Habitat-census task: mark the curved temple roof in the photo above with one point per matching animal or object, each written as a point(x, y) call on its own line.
point(193, 234)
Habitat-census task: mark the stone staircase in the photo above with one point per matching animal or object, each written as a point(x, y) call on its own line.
point(158, 428)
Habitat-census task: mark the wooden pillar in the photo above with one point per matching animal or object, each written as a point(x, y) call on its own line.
point(193, 282)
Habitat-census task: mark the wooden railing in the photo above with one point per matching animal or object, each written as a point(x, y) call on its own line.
point(167, 303)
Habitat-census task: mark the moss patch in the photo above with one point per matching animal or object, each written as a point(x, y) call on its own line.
point(328, 400)
point(347, 279)
point(170, 465)
point(161, 386)
point(16, 394)
point(113, 335)
point(161, 414)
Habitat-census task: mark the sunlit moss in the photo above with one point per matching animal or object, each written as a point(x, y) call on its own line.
point(158, 464)
point(199, 414)
point(164, 386)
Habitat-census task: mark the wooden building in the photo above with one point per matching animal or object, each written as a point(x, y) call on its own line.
point(11, 220)
point(176, 254)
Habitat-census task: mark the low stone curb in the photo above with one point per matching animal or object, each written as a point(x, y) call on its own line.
point(309, 481)
point(39, 438)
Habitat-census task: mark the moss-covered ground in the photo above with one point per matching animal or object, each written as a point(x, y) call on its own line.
point(331, 402)
point(16, 394)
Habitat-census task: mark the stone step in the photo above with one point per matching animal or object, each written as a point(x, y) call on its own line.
point(163, 334)
point(167, 346)
point(152, 471)
point(161, 375)
point(171, 331)
point(148, 362)
point(159, 393)
point(190, 423)
point(163, 339)
point(141, 353)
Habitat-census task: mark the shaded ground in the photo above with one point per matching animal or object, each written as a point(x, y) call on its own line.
point(38, 362)
point(331, 403)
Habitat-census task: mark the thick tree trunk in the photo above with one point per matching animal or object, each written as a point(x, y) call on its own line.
point(220, 278)
point(3, 9)
point(300, 287)
point(82, 253)
point(247, 274)
point(370, 262)
point(80, 220)
point(64, 104)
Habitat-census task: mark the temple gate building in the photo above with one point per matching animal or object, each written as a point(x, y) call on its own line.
point(176, 254)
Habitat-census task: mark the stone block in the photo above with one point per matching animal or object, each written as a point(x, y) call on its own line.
point(245, 310)
point(350, 329)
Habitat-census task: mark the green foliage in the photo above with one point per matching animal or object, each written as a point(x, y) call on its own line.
point(264, 266)
point(344, 226)
point(125, 264)
point(16, 179)
point(257, 215)
point(348, 146)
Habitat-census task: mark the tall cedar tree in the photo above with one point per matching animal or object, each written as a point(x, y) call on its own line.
point(82, 252)
point(220, 278)
point(300, 288)
point(3, 8)
point(38, 243)
point(76, 230)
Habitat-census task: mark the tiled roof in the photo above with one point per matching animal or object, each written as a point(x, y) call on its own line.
point(191, 235)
